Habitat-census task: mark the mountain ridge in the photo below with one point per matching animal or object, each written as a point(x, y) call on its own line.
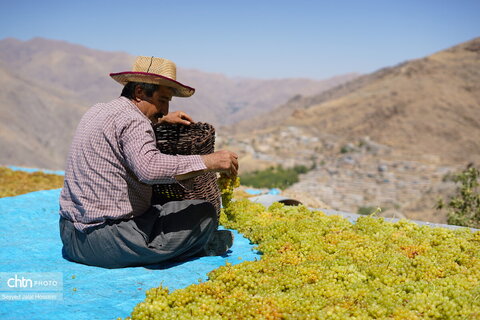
point(65, 79)
point(430, 104)
point(389, 139)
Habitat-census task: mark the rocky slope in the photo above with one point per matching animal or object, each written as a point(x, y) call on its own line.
point(386, 139)
point(425, 106)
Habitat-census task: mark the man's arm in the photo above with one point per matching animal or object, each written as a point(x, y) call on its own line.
point(137, 141)
point(222, 161)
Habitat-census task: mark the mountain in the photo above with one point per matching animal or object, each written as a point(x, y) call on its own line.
point(47, 85)
point(84, 73)
point(389, 139)
point(424, 106)
point(36, 122)
point(224, 101)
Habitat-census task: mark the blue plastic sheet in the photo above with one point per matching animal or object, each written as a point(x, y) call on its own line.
point(253, 191)
point(30, 242)
point(274, 191)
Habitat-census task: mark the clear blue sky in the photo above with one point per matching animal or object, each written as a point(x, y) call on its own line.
point(253, 38)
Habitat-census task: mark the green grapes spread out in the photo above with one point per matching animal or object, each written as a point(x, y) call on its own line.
point(227, 185)
point(315, 266)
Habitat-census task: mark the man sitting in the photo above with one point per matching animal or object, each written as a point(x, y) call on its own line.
point(106, 216)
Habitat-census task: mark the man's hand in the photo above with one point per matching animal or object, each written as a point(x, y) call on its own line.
point(222, 161)
point(179, 117)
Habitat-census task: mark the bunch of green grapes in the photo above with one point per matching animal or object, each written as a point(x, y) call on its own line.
point(315, 266)
point(227, 184)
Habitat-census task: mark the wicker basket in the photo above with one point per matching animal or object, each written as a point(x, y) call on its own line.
point(197, 138)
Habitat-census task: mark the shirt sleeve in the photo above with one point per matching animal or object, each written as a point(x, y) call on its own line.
point(137, 140)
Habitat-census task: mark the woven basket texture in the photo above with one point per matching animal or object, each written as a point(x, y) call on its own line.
point(197, 138)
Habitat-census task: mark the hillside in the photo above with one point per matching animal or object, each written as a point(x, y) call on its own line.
point(424, 106)
point(83, 72)
point(36, 122)
point(64, 79)
point(386, 139)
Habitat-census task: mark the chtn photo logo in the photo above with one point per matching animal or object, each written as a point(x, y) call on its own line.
point(19, 286)
point(31, 281)
point(17, 282)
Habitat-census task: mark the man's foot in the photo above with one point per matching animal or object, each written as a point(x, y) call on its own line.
point(219, 243)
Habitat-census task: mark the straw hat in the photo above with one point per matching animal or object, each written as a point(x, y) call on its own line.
point(154, 70)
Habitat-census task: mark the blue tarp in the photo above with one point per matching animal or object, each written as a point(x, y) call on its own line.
point(30, 243)
point(253, 191)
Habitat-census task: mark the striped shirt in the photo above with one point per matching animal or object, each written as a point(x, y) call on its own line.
point(112, 163)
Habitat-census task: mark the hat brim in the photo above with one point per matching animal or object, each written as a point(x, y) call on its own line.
point(181, 90)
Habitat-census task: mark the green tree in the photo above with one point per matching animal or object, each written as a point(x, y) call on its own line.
point(464, 207)
point(273, 177)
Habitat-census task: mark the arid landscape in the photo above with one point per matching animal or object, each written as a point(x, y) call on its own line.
point(385, 139)
point(47, 85)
